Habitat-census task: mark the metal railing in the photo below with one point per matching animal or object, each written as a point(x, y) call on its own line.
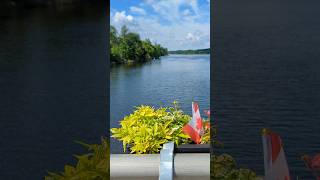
point(186, 166)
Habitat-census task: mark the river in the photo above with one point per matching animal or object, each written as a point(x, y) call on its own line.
point(266, 74)
point(52, 87)
point(175, 77)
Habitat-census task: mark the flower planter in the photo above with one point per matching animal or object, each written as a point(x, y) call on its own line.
point(187, 148)
point(158, 126)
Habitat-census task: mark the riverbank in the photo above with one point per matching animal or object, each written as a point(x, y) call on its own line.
point(191, 51)
point(131, 63)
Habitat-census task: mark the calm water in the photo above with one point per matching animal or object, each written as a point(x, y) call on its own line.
point(52, 88)
point(174, 77)
point(266, 74)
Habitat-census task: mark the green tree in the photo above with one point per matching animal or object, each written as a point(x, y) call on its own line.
point(113, 36)
point(128, 47)
point(124, 31)
point(115, 53)
point(130, 43)
point(149, 49)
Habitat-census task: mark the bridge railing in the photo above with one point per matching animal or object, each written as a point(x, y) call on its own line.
point(188, 161)
point(186, 166)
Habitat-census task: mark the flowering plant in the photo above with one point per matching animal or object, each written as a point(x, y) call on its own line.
point(148, 128)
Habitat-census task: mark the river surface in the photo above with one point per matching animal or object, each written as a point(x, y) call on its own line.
point(266, 73)
point(52, 88)
point(175, 77)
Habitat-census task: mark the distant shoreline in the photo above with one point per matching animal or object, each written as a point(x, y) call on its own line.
point(191, 51)
point(189, 54)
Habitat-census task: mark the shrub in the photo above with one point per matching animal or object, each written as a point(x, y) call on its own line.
point(91, 166)
point(147, 129)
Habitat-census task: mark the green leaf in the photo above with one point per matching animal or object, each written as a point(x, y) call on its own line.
point(147, 128)
point(91, 166)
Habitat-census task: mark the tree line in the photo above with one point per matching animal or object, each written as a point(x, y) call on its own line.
point(190, 51)
point(127, 47)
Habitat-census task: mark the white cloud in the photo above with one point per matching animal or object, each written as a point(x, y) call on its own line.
point(122, 17)
point(137, 10)
point(184, 35)
point(186, 12)
point(129, 18)
point(186, 24)
point(171, 9)
point(192, 37)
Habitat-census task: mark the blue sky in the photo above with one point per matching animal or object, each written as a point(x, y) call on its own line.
point(175, 24)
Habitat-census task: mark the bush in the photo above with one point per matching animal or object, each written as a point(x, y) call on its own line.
point(147, 129)
point(91, 166)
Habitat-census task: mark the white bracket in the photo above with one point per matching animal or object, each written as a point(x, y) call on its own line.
point(166, 162)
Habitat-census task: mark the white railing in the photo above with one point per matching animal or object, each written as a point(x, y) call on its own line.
point(187, 166)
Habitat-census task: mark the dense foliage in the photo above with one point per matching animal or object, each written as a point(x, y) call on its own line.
point(190, 51)
point(147, 129)
point(128, 47)
point(91, 166)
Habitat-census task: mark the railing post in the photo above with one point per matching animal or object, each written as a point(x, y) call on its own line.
point(166, 162)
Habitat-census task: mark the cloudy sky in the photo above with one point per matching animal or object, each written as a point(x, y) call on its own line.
point(175, 24)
